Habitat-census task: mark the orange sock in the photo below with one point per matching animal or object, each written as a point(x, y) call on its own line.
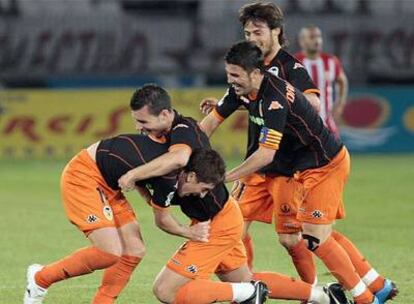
point(82, 261)
point(283, 287)
point(248, 244)
point(115, 279)
point(204, 292)
point(369, 276)
point(304, 262)
point(340, 266)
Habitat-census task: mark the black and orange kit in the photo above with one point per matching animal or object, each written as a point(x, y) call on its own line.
point(224, 251)
point(281, 118)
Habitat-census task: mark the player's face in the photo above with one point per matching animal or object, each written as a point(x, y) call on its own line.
point(191, 186)
point(312, 40)
point(239, 79)
point(147, 123)
point(260, 33)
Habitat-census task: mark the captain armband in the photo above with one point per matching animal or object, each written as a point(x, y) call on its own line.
point(270, 138)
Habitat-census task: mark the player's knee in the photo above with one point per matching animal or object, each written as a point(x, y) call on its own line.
point(162, 293)
point(312, 242)
point(289, 240)
point(139, 252)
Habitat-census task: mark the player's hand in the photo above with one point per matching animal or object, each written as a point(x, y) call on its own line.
point(237, 190)
point(127, 181)
point(200, 232)
point(207, 105)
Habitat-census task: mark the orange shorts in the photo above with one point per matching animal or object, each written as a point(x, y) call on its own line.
point(223, 252)
point(89, 202)
point(265, 198)
point(320, 191)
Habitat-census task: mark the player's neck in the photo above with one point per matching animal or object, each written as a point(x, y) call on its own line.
point(272, 54)
point(171, 118)
point(313, 55)
point(257, 83)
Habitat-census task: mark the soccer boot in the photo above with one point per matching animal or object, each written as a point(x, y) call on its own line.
point(336, 294)
point(34, 294)
point(260, 293)
point(388, 292)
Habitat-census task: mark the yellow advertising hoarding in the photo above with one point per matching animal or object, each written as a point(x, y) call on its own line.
point(36, 124)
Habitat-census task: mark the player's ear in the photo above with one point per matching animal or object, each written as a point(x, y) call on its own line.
point(191, 177)
point(164, 113)
point(275, 33)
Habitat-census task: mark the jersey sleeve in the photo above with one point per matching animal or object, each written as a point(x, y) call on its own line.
point(275, 110)
point(227, 105)
point(163, 192)
point(299, 77)
point(183, 135)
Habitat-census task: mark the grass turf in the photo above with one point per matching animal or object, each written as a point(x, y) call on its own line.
point(379, 202)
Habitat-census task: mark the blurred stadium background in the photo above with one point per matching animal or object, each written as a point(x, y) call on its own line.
point(69, 67)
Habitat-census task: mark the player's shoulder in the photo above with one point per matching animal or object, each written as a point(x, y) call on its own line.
point(274, 85)
point(327, 56)
point(286, 58)
point(183, 122)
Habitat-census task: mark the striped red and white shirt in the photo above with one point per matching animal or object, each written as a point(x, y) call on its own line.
point(324, 71)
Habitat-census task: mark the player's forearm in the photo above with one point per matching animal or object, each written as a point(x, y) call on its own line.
point(167, 223)
point(255, 162)
point(160, 166)
point(209, 124)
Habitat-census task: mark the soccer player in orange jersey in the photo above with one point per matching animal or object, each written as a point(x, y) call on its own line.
point(327, 73)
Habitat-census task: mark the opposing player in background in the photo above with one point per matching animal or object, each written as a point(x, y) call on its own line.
point(327, 73)
point(259, 200)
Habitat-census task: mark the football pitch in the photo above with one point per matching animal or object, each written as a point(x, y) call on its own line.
point(379, 201)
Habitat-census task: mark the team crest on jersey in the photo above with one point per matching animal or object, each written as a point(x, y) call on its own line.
point(92, 218)
point(107, 211)
point(274, 70)
point(275, 105)
point(298, 66)
point(192, 268)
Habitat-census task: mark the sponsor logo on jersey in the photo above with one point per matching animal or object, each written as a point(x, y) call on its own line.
point(107, 211)
point(92, 218)
point(275, 105)
point(257, 120)
point(274, 70)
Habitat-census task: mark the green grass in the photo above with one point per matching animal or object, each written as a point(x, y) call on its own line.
point(380, 209)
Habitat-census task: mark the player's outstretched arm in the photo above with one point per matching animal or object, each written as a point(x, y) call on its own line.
point(166, 222)
point(209, 124)
point(262, 157)
point(162, 165)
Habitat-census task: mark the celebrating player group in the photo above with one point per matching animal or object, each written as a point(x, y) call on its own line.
point(294, 174)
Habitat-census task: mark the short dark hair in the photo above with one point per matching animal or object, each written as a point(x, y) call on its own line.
point(246, 55)
point(153, 96)
point(266, 12)
point(208, 166)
